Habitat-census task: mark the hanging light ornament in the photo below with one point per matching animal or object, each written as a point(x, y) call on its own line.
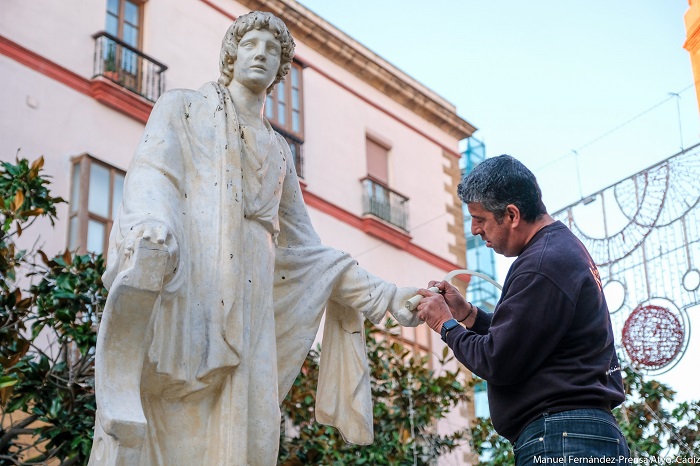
point(652, 337)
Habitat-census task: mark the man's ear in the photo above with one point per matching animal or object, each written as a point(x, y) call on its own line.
point(513, 214)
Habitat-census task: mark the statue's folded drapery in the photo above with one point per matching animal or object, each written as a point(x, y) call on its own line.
point(242, 303)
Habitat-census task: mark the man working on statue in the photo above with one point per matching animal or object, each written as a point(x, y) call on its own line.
point(248, 278)
point(547, 351)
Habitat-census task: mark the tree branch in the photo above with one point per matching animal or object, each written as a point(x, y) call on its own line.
point(17, 429)
point(9, 458)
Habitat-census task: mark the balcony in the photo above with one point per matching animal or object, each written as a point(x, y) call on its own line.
point(128, 67)
point(384, 203)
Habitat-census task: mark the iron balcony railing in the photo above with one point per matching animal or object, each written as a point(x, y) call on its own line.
point(130, 68)
point(385, 203)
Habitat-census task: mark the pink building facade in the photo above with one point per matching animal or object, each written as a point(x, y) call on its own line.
point(377, 151)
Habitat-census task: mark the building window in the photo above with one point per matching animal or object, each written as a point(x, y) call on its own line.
point(124, 21)
point(377, 161)
point(118, 55)
point(96, 194)
point(378, 199)
point(284, 111)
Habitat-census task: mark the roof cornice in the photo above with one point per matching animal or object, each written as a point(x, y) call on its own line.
point(313, 31)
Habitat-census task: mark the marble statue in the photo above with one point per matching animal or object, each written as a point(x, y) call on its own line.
point(218, 282)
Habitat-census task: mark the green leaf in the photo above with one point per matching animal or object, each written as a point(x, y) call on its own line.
point(8, 381)
point(55, 409)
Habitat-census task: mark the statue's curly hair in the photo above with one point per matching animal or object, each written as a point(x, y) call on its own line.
point(246, 23)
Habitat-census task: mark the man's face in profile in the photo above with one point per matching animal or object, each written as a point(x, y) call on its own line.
point(498, 235)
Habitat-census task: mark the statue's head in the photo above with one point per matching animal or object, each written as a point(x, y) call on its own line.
point(246, 23)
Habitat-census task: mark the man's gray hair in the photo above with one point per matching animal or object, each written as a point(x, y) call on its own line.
point(499, 181)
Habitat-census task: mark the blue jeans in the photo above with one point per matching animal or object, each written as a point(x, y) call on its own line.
point(579, 436)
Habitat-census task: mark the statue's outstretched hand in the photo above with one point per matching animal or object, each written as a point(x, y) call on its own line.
point(398, 308)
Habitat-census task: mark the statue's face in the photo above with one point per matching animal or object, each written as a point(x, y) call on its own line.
point(257, 60)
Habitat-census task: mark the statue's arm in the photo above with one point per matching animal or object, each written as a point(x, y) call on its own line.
point(374, 296)
point(356, 288)
point(143, 250)
point(153, 188)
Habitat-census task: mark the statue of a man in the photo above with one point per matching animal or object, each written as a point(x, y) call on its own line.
point(246, 278)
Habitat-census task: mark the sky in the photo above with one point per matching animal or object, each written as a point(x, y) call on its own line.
point(584, 93)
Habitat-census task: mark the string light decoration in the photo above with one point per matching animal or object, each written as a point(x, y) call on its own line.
point(644, 236)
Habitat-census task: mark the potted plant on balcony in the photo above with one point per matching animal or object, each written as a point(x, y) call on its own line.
point(110, 64)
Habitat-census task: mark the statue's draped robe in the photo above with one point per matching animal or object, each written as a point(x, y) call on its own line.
point(241, 306)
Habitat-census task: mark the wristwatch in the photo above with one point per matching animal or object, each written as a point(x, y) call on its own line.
point(446, 327)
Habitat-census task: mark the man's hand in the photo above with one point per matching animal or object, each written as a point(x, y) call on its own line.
point(433, 309)
point(455, 301)
point(398, 308)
